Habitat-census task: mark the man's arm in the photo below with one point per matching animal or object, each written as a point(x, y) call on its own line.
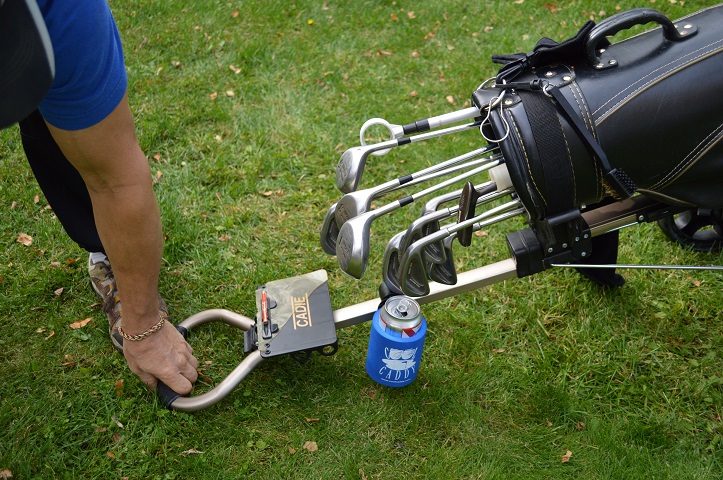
point(118, 178)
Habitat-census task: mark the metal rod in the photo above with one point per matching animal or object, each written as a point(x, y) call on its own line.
point(641, 267)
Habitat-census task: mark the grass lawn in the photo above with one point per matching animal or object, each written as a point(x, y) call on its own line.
point(243, 109)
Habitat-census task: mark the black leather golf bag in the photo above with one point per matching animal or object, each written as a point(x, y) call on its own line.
point(584, 120)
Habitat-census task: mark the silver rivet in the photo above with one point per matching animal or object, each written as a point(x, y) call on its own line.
point(640, 218)
point(549, 74)
point(564, 245)
point(612, 62)
point(585, 236)
point(583, 254)
point(687, 25)
point(602, 50)
point(577, 239)
point(598, 65)
point(509, 101)
point(683, 32)
point(567, 78)
point(549, 250)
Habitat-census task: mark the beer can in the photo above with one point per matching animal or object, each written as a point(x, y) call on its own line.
point(396, 342)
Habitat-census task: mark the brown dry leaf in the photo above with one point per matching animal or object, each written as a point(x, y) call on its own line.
point(696, 283)
point(450, 47)
point(36, 198)
point(311, 446)
point(235, 70)
point(110, 455)
point(267, 193)
point(52, 332)
point(13, 205)
point(224, 238)
point(230, 93)
point(549, 423)
point(213, 96)
point(566, 457)
point(191, 451)
point(25, 239)
point(580, 426)
point(450, 99)
point(235, 14)
point(488, 29)
point(519, 2)
point(411, 15)
point(413, 93)
point(499, 350)
point(5, 474)
point(415, 54)
point(116, 437)
point(363, 476)
point(58, 292)
point(80, 323)
point(551, 7)
point(69, 361)
point(312, 420)
point(157, 157)
point(384, 52)
point(100, 430)
point(159, 175)
point(119, 388)
point(394, 18)
point(481, 233)
point(292, 450)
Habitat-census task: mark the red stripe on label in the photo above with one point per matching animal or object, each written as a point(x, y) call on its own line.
point(409, 331)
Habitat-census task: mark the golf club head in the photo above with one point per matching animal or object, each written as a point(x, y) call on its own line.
point(352, 245)
point(354, 204)
point(436, 202)
point(445, 272)
point(329, 232)
point(390, 264)
point(350, 167)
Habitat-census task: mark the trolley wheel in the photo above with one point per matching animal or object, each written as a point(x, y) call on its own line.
point(699, 229)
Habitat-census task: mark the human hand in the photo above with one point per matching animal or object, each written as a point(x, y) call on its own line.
point(166, 356)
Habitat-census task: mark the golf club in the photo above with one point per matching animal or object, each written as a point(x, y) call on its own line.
point(390, 263)
point(351, 164)
point(446, 272)
point(352, 245)
point(329, 232)
point(355, 203)
point(398, 131)
point(413, 273)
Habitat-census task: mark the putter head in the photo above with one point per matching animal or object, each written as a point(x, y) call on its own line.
point(350, 167)
point(352, 245)
point(329, 232)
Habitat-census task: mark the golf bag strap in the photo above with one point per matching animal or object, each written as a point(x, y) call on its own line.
point(559, 194)
point(617, 181)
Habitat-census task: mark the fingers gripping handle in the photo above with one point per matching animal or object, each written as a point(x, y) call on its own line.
point(165, 393)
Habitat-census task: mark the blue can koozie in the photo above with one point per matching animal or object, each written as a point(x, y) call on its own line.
point(396, 342)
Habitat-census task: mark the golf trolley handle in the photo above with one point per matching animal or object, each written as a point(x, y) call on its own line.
point(624, 20)
point(343, 317)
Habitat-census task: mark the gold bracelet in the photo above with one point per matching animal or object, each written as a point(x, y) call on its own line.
point(147, 333)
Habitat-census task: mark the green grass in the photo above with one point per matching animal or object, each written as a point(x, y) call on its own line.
point(514, 375)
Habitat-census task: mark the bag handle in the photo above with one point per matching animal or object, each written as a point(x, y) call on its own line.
point(630, 18)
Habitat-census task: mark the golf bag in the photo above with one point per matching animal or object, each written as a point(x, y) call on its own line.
point(583, 119)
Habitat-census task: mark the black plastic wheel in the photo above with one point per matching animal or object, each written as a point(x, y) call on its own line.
point(699, 229)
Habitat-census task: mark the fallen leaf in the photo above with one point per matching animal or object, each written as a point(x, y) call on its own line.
point(25, 239)
point(488, 29)
point(311, 446)
point(80, 323)
point(110, 455)
point(157, 157)
point(518, 2)
point(394, 18)
point(69, 361)
point(235, 70)
point(361, 473)
point(159, 175)
point(191, 451)
point(36, 198)
point(13, 205)
point(481, 233)
point(450, 99)
point(230, 93)
point(566, 457)
point(411, 15)
point(499, 350)
point(213, 96)
point(450, 47)
point(40, 330)
point(116, 437)
point(413, 93)
point(100, 430)
point(312, 420)
point(176, 64)
point(52, 332)
point(115, 420)
point(580, 426)
point(224, 238)
point(292, 450)
point(551, 7)
point(384, 52)
point(549, 423)
point(235, 14)
point(415, 54)
point(267, 193)
point(696, 283)
point(119, 388)
point(5, 474)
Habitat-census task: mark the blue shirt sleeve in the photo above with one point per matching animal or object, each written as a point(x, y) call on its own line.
point(90, 76)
